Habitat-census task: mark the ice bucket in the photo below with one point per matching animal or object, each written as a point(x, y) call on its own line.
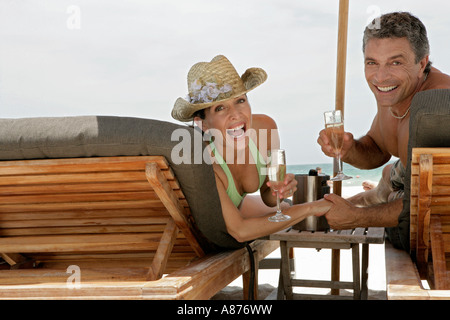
point(311, 188)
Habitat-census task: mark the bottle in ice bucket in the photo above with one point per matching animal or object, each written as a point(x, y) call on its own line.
point(311, 187)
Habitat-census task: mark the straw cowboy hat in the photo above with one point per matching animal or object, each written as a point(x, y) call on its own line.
point(213, 82)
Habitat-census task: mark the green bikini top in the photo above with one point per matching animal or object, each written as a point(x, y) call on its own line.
point(231, 190)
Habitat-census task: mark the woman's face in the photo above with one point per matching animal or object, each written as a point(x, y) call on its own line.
point(230, 119)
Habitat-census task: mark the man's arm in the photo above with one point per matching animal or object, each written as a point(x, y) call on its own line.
point(344, 215)
point(367, 152)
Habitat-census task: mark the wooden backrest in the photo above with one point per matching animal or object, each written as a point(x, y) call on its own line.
point(112, 211)
point(430, 212)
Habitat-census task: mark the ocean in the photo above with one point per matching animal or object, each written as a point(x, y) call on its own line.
point(327, 168)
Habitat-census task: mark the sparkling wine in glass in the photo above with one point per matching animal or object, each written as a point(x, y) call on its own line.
point(276, 170)
point(334, 129)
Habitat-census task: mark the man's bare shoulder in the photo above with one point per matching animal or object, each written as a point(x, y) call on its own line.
point(437, 80)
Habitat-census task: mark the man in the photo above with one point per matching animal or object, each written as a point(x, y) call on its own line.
point(397, 66)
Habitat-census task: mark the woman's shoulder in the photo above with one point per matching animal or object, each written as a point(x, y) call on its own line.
point(263, 121)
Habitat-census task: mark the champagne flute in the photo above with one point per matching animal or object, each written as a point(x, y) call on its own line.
point(276, 170)
point(334, 129)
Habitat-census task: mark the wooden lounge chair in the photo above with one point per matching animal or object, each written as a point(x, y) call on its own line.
point(428, 199)
point(430, 231)
point(430, 214)
point(104, 226)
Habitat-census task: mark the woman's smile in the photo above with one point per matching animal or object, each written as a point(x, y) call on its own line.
point(237, 131)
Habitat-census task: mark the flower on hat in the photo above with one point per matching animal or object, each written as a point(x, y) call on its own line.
point(212, 82)
point(208, 92)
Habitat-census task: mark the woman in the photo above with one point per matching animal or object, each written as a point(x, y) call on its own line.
point(218, 104)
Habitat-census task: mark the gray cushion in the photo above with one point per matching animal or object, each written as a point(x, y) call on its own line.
point(99, 136)
point(428, 127)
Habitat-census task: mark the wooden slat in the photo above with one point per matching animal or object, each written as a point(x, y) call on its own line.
point(85, 205)
point(347, 232)
point(322, 284)
point(85, 177)
point(96, 186)
point(173, 263)
point(437, 152)
point(84, 214)
point(374, 234)
point(13, 258)
point(107, 256)
point(103, 289)
point(78, 173)
point(439, 169)
point(402, 278)
point(15, 277)
point(163, 252)
point(108, 205)
point(359, 232)
point(446, 240)
point(78, 243)
point(173, 205)
point(180, 252)
point(441, 182)
point(423, 211)
point(74, 188)
point(438, 251)
point(99, 164)
point(77, 227)
point(342, 236)
point(79, 197)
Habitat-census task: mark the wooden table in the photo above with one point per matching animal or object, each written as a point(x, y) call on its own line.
point(339, 239)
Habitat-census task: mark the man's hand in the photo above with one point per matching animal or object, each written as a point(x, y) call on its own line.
point(327, 149)
point(342, 214)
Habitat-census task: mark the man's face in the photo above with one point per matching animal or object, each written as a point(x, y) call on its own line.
point(391, 71)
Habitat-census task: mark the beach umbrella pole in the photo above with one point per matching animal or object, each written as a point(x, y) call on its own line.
point(339, 105)
point(340, 73)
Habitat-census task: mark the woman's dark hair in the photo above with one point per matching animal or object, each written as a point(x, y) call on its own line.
point(200, 114)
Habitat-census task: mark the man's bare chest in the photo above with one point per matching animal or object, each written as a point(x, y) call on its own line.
point(395, 137)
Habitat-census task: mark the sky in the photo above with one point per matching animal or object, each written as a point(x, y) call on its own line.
point(131, 58)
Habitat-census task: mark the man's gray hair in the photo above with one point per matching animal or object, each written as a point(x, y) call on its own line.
point(400, 25)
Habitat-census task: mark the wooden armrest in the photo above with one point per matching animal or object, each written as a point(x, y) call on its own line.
point(402, 278)
point(204, 277)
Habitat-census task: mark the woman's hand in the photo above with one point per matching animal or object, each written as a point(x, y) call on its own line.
point(289, 186)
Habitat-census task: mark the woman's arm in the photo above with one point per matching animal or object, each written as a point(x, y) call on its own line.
point(268, 141)
point(246, 229)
